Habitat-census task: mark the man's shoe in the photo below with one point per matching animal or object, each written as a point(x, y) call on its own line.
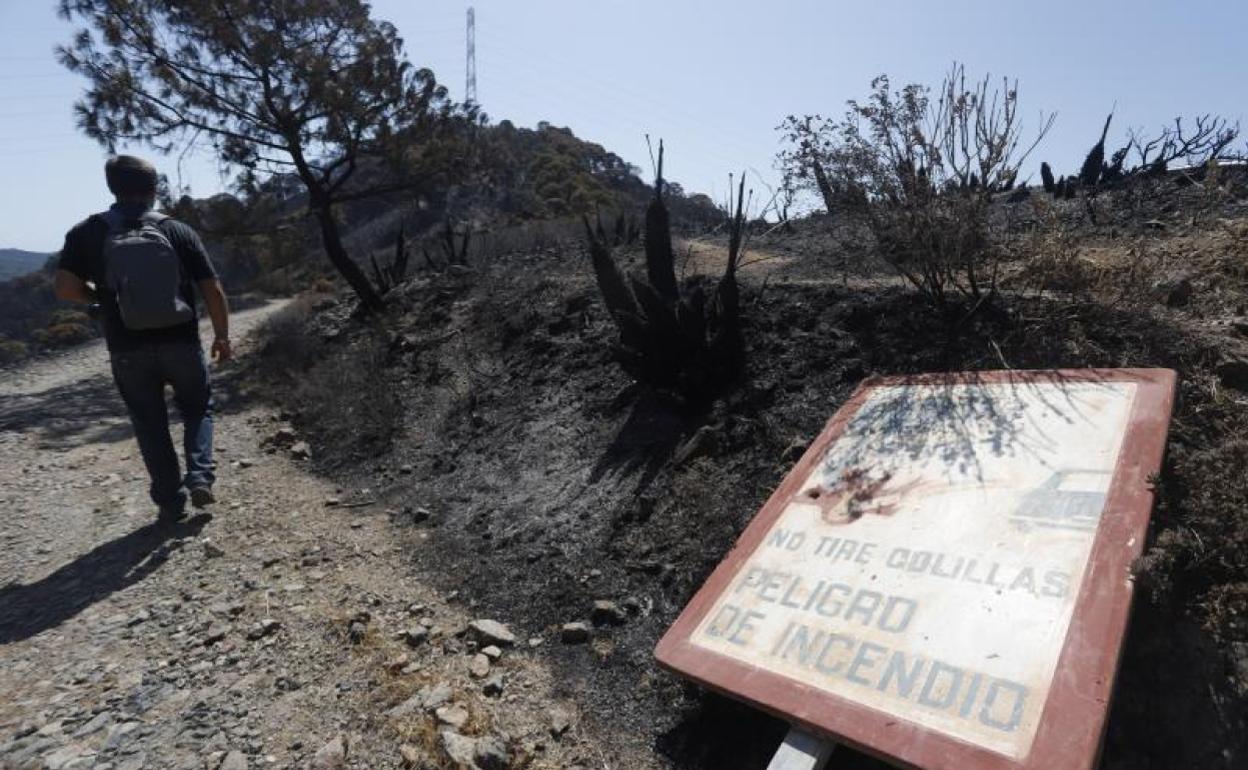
point(202, 496)
point(171, 514)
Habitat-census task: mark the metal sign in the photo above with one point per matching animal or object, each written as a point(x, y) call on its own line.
point(944, 578)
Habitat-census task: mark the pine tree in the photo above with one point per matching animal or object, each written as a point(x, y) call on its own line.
point(315, 88)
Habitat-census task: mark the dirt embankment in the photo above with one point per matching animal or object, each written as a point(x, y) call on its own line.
point(547, 481)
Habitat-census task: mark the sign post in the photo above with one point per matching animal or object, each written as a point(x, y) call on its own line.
point(802, 751)
point(943, 580)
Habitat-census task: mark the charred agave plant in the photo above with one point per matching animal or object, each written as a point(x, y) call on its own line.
point(1094, 162)
point(677, 340)
point(625, 233)
point(391, 275)
point(454, 252)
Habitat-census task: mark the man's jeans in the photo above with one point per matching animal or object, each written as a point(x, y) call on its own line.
point(141, 375)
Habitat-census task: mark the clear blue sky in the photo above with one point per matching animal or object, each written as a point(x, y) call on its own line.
point(713, 78)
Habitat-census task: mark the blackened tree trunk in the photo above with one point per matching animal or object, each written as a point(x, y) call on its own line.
point(825, 186)
point(342, 261)
point(321, 202)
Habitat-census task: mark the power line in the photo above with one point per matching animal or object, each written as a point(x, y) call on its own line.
point(727, 135)
point(608, 113)
point(620, 108)
point(606, 118)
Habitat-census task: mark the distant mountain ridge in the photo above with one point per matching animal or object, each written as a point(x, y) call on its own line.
point(15, 262)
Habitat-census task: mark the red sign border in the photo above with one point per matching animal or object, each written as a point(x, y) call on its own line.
point(1072, 723)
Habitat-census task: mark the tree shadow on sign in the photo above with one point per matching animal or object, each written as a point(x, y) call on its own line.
point(950, 423)
point(27, 610)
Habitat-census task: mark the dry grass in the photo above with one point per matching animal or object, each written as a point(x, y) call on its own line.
point(288, 343)
point(338, 391)
point(703, 257)
point(423, 734)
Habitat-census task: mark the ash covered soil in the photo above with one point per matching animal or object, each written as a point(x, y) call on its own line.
point(485, 413)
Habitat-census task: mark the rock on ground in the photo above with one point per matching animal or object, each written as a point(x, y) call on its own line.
point(487, 632)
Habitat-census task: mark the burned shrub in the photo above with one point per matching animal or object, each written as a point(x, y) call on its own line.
point(921, 170)
point(1205, 140)
point(803, 163)
point(1200, 146)
point(453, 247)
point(625, 232)
point(289, 344)
point(456, 255)
point(1094, 161)
point(1114, 171)
point(677, 340)
point(1046, 178)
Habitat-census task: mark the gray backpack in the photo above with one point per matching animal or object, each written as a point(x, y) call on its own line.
point(143, 271)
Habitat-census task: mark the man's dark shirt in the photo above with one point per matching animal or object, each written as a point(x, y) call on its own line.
point(83, 255)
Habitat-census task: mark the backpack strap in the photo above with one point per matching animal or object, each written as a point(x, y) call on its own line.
point(113, 219)
point(116, 221)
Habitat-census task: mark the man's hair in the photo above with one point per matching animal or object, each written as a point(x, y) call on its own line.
point(130, 176)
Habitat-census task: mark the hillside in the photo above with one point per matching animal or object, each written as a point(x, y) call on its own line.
point(487, 415)
point(505, 186)
point(522, 186)
point(16, 262)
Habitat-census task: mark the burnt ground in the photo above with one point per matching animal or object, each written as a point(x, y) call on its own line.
point(486, 412)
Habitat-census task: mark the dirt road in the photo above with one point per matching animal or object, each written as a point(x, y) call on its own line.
point(276, 632)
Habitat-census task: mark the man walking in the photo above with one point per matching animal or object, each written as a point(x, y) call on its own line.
point(141, 266)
